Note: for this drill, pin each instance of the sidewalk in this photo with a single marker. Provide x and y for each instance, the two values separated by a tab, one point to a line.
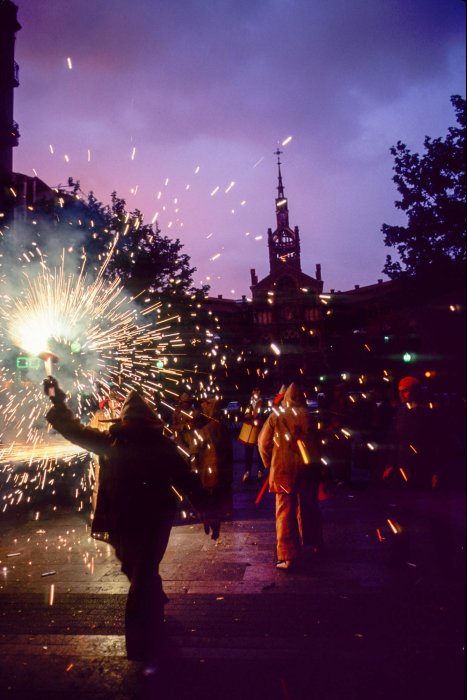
344	628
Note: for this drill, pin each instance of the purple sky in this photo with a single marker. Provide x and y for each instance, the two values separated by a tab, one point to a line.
218	86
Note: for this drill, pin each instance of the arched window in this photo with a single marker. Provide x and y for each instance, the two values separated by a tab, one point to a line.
312	314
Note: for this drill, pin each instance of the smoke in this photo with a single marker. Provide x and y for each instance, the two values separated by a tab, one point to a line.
52	300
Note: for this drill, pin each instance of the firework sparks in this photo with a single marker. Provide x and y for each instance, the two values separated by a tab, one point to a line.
101	337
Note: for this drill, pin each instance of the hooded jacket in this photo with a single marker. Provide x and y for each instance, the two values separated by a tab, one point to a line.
141	466
292	465
213	449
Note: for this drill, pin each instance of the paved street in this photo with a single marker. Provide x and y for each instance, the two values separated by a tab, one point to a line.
350	626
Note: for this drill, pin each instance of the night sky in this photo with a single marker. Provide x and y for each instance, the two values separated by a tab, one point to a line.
166	100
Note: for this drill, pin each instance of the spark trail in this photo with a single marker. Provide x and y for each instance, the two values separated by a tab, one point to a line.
101	338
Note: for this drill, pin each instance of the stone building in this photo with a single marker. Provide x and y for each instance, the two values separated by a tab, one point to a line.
17	191
9	80
281	338
286	306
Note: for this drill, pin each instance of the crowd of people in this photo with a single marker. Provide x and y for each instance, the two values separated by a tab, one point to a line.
145	466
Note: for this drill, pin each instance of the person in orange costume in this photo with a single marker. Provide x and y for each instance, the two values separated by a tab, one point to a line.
289	446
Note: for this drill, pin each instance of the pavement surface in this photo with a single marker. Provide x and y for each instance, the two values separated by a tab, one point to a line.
349	626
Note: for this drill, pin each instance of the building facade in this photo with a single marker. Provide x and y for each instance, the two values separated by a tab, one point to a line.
286	304
9	80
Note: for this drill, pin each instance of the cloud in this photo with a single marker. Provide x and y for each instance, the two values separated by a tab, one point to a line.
222	83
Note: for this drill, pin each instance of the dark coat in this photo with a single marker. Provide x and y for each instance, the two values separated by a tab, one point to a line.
417	440
142	468
211	450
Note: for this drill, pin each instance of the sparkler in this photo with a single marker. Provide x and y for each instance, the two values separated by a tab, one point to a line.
102	338
49	358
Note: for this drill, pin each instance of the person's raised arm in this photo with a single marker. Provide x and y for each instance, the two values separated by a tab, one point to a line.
64	422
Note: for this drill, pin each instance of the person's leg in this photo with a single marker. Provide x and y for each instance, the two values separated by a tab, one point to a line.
144	613
287	534
259	462
248	461
309	518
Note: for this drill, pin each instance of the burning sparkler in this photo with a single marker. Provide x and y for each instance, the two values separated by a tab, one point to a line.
96	336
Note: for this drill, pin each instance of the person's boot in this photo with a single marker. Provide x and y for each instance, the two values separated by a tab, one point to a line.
284	565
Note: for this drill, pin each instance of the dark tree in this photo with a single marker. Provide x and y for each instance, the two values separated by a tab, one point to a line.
432	189
143	259
117	243
151	267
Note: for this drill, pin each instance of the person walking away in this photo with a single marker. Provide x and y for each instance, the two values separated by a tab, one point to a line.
251	427
289	446
137	514
213	449
338	416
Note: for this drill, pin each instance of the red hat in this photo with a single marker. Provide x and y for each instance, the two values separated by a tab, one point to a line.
409	383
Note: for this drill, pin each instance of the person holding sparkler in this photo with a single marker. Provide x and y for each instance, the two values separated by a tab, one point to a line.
145	473
288	444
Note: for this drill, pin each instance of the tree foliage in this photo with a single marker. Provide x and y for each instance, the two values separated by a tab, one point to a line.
151	267
142	258
432	189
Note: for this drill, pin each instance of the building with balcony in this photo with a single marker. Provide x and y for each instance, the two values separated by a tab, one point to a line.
9	80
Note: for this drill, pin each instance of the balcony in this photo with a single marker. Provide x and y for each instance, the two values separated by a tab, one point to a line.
10	136
15	74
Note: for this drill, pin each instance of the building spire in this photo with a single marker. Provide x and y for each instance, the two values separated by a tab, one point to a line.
280	187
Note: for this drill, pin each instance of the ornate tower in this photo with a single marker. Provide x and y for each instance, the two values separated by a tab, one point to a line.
283	242
286	307
9	133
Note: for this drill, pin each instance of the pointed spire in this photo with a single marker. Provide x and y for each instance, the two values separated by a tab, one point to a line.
280	187
282	209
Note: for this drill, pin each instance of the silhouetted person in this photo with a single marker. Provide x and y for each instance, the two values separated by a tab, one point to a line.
417	438
415	471
338	417
137	514
211	445
249	434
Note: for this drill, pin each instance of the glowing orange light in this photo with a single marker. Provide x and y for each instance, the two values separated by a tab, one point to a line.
304	452
263	489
